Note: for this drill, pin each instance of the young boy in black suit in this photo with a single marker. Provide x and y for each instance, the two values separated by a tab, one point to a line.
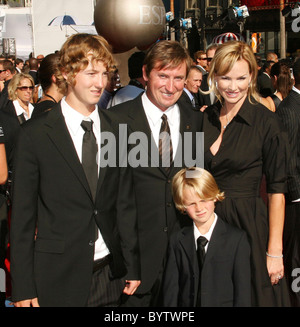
223	279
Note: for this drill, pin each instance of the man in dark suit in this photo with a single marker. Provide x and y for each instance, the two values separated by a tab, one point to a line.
165	69
191	89
289	112
208	264
7	71
70	241
209	98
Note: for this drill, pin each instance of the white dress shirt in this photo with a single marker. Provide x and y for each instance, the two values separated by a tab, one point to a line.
19	110
73	121
206	235
154	114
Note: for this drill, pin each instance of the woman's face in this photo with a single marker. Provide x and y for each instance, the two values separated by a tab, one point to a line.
25	90
234	85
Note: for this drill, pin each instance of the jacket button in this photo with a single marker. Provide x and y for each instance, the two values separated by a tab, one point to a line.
95	212
165	229
91	243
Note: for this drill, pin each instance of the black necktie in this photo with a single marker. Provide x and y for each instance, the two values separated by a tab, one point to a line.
21	119
165	144
89	156
201	242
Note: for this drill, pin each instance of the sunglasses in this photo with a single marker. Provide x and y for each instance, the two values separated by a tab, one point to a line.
209	59
25	88
2	70
203	58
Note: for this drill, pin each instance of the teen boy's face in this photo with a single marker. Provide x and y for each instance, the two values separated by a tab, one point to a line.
201	211
88	87
165	86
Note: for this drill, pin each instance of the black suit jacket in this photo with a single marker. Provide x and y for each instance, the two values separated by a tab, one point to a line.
225	280
157	216
51	194
289	112
204	99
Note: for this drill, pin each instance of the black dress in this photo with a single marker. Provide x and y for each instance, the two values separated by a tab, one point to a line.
253	144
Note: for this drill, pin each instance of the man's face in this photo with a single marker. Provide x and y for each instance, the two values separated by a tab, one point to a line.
165	86
210	54
193	81
88	87
3	73
202	61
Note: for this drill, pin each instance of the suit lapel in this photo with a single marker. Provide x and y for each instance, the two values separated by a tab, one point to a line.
216	239
188	245
139	123
105	127
59	135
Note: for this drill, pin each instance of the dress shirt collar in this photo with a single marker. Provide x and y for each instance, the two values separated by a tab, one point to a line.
296	90
206	235
245	114
73	118
154	114
189	94
19	110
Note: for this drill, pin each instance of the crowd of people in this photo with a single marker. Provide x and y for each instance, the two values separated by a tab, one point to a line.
147	231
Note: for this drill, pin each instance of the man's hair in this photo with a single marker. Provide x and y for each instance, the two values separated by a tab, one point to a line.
200	180
135	65
165	54
77	52
296	71
284	82
8	65
48	68
198	54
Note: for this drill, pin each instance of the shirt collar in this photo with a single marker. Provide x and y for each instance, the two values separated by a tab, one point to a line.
189	93
296	90
206	235
73	118
20	110
246	113
154	113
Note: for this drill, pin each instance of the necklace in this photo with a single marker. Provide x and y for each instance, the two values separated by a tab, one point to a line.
227	120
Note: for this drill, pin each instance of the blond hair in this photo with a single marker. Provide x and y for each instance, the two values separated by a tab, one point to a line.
224	59
77	52
200	180
15	83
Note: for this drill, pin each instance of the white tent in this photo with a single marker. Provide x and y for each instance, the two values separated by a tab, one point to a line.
47	38
16	28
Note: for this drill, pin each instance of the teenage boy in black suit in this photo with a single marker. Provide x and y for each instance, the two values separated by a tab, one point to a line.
83	251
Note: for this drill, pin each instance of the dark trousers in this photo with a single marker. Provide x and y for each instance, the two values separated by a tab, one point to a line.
3	239
151	299
291	249
105	291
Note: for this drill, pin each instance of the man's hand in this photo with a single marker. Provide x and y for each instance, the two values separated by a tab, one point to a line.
27	303
131	286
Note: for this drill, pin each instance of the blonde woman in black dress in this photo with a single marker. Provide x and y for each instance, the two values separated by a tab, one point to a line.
243	140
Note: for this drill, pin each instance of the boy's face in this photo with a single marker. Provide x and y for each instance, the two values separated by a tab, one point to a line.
88	87
201	211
